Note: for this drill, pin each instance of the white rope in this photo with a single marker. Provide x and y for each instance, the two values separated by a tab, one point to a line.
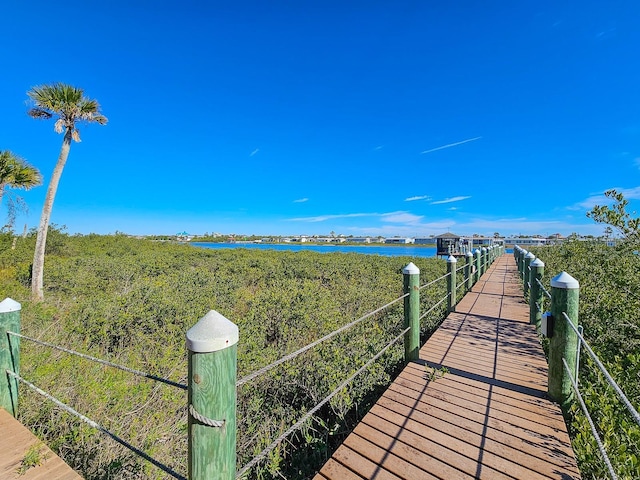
434	307
97	426
604	371
593	427
262	455
205	420
293	355
544	290
99	360
434	281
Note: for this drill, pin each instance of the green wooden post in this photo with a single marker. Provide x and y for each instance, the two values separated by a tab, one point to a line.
411	283
468	270
476	254
9	354
523	253
563	342
483	256
536	296
212	349
451	283
528	258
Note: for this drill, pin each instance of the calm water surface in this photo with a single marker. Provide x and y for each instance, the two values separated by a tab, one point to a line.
385	250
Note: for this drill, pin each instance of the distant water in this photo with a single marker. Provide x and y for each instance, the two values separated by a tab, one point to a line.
387	251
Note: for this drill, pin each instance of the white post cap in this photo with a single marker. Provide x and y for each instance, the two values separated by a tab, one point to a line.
529	255
564	280
537	263
469	254
9	305
213	332
451	259
410	269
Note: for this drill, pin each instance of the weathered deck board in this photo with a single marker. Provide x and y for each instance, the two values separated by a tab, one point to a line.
488	417
15	441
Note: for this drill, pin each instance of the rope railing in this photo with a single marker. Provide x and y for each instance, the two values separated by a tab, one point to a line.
603	451
97	426
262	455
544	290
434	281
204	338
300	351
434	307
604	371
101	361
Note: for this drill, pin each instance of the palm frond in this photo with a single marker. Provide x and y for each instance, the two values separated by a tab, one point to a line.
39	114
59	125
15	172
66	102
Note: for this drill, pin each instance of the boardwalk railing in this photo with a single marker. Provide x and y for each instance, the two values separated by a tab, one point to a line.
561	326
212	360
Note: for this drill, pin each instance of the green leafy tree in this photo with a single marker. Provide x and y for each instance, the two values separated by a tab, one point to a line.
616	216
69	105
15	172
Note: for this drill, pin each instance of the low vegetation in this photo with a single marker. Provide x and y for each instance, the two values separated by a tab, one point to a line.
131	301
610	314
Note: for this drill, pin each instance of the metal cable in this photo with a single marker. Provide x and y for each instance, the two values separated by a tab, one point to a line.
461	284
103	362
461	267
538	307
544	290
604	371
434	307
529	285
590	420
97	426
434	281
262	455
293	355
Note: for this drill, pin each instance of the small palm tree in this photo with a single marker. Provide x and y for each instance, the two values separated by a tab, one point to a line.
70	106
15	172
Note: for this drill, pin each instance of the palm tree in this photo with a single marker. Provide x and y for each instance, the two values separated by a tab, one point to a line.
70	106
15	172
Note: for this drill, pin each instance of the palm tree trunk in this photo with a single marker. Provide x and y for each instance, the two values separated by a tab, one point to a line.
37	271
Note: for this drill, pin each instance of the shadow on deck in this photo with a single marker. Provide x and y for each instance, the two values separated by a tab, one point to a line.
487	418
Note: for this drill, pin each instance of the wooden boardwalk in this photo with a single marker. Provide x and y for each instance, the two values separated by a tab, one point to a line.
487	418
15	442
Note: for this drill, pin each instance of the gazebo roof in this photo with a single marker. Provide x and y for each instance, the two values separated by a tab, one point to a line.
448	235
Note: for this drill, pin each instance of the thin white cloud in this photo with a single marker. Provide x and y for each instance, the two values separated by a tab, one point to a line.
324	218
254	152
417	197
450	200
449	145
301	200
600	199
401	217
637	162
379	147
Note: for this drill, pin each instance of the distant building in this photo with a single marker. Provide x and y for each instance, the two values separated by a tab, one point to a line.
399	240
526	241
448	244
424	241
359	239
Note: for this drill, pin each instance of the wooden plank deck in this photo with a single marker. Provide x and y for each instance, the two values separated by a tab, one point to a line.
487	418
15	441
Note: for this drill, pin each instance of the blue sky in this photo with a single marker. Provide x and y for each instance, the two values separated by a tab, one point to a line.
305	117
